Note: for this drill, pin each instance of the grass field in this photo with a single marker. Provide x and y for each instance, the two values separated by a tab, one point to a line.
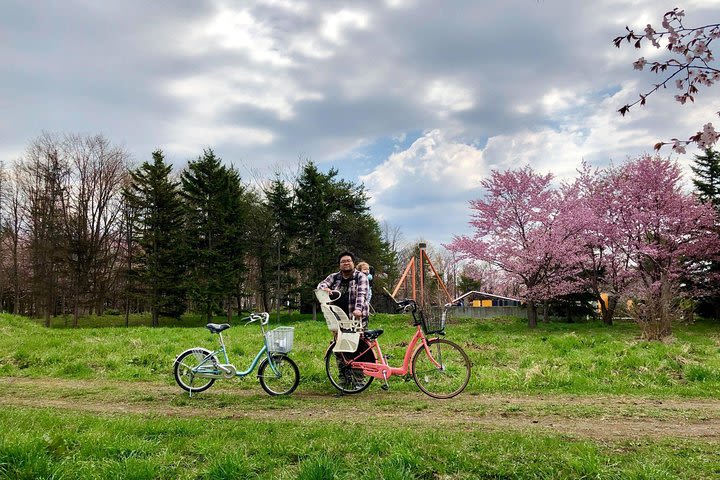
563	401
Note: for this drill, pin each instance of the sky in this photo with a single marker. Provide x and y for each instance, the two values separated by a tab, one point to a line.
417	100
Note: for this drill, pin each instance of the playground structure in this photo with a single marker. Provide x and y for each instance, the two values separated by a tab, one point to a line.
417	272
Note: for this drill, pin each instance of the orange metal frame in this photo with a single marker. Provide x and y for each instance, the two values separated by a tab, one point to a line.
411	268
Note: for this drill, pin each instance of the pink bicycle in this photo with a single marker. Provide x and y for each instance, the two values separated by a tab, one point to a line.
439	367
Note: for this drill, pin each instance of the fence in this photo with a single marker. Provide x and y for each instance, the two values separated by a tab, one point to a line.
490	312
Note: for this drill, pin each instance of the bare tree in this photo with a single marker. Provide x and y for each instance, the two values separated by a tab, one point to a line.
43	172
3	255
92	220
70	189
13	224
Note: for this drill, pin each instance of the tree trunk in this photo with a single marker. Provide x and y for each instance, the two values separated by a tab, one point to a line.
76	311
155	317
532	314
546	319
607	311
655	316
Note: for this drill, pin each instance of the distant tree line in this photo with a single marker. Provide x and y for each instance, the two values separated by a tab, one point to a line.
82	232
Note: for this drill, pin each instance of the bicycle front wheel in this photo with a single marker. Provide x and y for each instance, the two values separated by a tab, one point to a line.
285	381
450	377
184	370
346	379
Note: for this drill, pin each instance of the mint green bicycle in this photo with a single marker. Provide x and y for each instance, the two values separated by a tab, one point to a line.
196	369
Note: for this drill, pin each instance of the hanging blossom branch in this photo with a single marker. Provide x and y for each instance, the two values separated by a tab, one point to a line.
690	67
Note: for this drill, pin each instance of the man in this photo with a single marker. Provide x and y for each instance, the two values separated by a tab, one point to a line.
353	287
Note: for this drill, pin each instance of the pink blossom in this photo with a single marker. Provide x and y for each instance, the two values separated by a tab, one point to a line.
640	63
708	137
649	32
700	48
678	147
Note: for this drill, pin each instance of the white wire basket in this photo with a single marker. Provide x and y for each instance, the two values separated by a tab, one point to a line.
280	340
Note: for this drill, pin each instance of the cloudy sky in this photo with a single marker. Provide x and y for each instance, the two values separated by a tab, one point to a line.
416	99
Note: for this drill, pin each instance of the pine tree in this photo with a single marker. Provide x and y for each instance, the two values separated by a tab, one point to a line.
707	183
159	227
279	202
215	213
707	177
331	215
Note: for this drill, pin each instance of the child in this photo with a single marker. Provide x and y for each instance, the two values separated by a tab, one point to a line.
364	267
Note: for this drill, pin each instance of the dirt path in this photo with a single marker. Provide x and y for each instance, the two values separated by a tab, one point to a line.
595	417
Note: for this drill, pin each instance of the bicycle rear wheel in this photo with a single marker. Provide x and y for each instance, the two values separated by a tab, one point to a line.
285	381
346	379
184	371
450	378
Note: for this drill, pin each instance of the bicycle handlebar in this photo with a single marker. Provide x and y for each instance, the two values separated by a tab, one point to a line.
264	318
410	305
407	305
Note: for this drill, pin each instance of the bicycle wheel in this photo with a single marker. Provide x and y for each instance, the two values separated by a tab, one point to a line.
344	378
183	369
450	378
282	383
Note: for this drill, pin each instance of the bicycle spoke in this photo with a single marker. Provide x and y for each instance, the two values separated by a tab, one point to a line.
451	374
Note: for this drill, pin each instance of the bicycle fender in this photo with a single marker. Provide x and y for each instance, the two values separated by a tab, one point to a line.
202	350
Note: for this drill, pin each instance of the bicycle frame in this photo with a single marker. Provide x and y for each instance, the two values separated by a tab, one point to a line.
381	369
213	370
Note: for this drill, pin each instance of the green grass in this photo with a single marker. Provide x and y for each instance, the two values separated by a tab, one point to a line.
208	437
40	443
581	358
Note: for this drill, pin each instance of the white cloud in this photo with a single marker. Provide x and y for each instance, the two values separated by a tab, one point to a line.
295	7
236	30
187	138
449	96
335	25
217	91
557	100
434	159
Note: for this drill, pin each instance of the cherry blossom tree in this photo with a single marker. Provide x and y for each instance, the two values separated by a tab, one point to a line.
662	231
631	231
689	64
521	228
482	276
605	264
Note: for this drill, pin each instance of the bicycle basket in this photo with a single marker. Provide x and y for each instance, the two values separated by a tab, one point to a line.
432	320
280	340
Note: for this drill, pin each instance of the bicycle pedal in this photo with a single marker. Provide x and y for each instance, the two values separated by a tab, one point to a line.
385	387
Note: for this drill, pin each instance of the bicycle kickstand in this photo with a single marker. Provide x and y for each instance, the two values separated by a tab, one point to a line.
385	385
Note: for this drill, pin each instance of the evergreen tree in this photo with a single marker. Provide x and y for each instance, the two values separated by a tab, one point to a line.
158	224
707	177
707	183
331	215
279	202
215	214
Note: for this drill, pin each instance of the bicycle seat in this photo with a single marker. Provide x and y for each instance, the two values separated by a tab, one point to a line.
373	334
217	327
